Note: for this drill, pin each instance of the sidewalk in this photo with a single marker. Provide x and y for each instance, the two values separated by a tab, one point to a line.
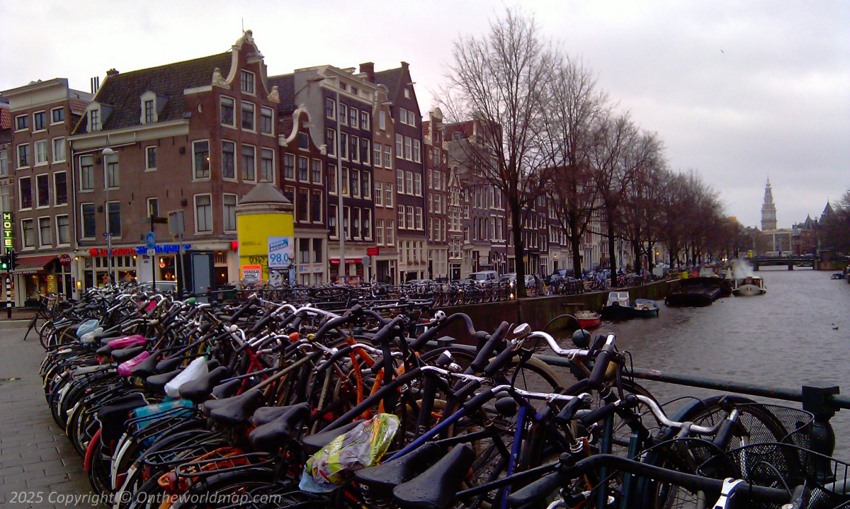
39	468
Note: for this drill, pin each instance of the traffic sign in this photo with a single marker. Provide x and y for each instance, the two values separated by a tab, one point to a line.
150	240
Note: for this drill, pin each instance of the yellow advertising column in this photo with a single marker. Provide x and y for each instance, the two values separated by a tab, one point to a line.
266	234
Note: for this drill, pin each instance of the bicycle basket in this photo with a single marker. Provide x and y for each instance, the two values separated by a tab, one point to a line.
785	465
762	422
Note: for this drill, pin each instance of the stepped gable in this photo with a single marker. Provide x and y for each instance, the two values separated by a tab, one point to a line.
123	91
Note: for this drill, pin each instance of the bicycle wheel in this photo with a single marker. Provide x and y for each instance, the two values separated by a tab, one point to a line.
755	424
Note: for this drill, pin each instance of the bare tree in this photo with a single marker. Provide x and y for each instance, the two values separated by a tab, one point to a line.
574	107
498	82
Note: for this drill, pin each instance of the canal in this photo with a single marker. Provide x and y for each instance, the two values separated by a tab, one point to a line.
797	333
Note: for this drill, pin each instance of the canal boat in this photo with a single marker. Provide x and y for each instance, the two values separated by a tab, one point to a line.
748	286
698	291
588	319
618	307
645	308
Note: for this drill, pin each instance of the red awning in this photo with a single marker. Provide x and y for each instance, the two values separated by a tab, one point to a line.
32	264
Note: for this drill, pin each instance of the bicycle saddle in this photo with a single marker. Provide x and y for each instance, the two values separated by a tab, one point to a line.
198	390
225	390
235	410
269	436
126	354
383	478
436	487
145	368
316	441
157	382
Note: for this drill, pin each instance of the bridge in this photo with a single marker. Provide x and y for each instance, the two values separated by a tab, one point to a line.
790	261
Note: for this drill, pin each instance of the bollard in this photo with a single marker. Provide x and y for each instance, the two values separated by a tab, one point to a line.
817	400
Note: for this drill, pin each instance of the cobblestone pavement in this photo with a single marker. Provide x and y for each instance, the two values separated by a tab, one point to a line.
39	468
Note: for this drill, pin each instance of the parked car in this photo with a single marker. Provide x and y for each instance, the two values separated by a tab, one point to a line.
530	279
484	277
559	275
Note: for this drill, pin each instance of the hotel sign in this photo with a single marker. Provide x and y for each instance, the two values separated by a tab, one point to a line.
8	231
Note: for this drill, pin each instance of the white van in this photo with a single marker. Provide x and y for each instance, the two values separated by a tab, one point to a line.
484	277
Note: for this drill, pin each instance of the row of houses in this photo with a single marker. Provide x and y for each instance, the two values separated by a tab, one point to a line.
347	146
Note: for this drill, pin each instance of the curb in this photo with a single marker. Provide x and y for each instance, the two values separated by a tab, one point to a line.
14	324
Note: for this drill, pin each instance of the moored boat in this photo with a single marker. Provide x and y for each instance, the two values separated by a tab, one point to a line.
618	307
645	308
698	291
748	286
588	319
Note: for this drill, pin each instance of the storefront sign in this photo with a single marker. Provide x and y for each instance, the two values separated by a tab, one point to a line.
139	250
252	273
8	231
280	252
65	259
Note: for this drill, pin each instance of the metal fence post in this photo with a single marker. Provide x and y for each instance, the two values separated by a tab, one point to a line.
816	399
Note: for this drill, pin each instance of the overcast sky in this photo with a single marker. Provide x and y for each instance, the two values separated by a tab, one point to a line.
740	91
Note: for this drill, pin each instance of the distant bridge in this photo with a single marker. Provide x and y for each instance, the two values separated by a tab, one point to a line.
789	261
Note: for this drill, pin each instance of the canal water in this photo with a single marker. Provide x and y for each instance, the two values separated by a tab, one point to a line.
797	333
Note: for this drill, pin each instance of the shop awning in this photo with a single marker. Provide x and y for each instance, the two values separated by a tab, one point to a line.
33	264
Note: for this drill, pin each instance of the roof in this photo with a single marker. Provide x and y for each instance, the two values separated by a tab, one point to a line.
5	116
264	193
391	78
123	91
286	89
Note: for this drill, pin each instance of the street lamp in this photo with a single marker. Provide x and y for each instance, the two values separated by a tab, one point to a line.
107	152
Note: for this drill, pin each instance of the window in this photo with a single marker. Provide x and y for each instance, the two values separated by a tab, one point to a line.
25	190
406	93
330	142
114	219
355	183
332	187
247	82
401	223
343	114
402	116
417	184
388	195
399	145
343	146
379	232
203	213
40	152
57	115
60	188
228	160
364	150
418	218
289	193
364	120
229	211
352	149
228	107
388	157
247	116
345	181
302	205
407	148
379	194
201	159
94	120
316	206
303	250
63	233
39	121
303	175
45	232
58	150
4	166
317	250
266	120
23	156
288	166
111	172
382	120
376	154
409	187
390	236
355	222
88	220
21	122
28	233
152	207
332	220
42	184
352	116
330	108
399	180
316	171
249	163
150	111
367	224
86	173
150	158
410	218
417	151
366	185
267	165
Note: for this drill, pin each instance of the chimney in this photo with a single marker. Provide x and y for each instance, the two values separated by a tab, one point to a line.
112	72
95	84
368	68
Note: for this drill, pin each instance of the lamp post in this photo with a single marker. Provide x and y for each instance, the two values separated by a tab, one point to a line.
106	153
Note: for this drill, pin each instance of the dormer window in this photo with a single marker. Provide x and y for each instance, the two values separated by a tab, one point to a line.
247	82
151	105
94	120
97	115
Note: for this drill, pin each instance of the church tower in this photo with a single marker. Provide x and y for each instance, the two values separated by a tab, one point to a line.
768	210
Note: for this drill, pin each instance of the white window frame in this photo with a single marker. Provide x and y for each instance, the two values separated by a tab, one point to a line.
56	193
388	196
44	122
224	207
149	97
148	150
232	102
67	226
263	152
42	243
236	156
52	114
62	152
148	208
379	194
253	151
28	154
111	168
248	78
83	221
18	119
266	112
243	106
24	244
195	168
20	194
41	153
382	120
198	231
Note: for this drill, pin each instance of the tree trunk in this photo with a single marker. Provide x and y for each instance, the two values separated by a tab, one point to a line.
575	244
519	249
612	251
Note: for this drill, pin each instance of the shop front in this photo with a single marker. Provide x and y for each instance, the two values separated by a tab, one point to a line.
34	276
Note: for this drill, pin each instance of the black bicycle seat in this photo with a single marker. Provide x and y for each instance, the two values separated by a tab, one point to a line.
235	410
316	441
126	354
436	487
198	390
269	436
383	478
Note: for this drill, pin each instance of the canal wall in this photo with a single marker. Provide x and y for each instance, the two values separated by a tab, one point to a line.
539	311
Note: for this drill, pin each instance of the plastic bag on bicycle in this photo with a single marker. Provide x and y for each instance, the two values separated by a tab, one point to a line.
361	447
